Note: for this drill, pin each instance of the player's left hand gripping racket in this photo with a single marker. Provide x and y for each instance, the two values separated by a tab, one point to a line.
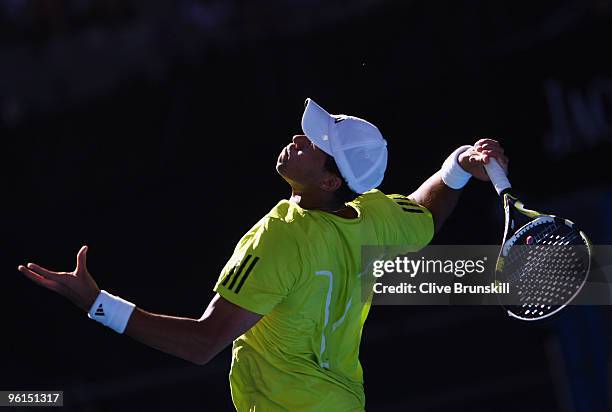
545	262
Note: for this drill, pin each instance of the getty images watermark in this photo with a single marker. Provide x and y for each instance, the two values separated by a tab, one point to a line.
456	275
421	266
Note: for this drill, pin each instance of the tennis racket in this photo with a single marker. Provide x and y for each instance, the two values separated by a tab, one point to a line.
545	260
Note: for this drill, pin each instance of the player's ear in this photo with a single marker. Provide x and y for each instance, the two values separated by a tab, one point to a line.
330	182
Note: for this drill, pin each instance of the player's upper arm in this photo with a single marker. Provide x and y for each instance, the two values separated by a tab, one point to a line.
263	269
221	323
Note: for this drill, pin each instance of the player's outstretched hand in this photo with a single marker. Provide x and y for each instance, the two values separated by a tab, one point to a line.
473	160
78	285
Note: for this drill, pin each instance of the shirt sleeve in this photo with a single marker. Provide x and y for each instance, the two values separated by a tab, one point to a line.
415	222
262	270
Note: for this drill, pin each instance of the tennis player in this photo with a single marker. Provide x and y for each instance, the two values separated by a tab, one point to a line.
289	298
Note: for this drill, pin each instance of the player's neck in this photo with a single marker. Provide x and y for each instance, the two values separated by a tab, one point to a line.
321	201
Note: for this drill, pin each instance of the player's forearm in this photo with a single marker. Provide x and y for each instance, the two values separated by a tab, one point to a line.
181	337
438	198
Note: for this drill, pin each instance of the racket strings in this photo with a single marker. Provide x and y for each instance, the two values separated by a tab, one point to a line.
548	272
523	254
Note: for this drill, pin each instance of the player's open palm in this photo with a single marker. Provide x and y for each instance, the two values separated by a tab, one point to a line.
78	286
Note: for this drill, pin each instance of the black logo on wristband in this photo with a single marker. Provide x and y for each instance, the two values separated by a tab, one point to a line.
100	310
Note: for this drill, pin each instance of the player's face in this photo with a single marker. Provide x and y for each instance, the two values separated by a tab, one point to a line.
301	163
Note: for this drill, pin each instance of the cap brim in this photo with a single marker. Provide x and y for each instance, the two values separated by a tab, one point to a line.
315	124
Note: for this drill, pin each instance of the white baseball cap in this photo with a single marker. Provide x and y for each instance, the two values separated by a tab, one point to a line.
357	146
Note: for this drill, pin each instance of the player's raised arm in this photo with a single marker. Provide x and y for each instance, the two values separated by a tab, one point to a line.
439	193
195	340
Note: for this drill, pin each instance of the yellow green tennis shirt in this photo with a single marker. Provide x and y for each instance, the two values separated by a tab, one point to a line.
301	269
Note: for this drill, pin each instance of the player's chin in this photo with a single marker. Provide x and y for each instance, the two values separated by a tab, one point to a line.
283	169
288	174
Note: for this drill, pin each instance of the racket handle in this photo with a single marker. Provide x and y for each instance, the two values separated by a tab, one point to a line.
497	175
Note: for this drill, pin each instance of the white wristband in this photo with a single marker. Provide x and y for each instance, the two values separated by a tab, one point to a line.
452	173
111	311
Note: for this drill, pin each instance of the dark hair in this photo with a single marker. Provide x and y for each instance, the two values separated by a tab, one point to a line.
343	193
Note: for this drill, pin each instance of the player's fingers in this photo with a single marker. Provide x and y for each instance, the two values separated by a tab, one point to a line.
482	142
493	153
38	279
42	271
46	273
483	158
500	157
492	146
477	170
489	146
476	158
82	259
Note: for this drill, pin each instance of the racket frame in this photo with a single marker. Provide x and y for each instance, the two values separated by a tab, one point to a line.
512	205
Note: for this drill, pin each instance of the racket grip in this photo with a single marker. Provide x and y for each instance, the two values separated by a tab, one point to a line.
497	175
